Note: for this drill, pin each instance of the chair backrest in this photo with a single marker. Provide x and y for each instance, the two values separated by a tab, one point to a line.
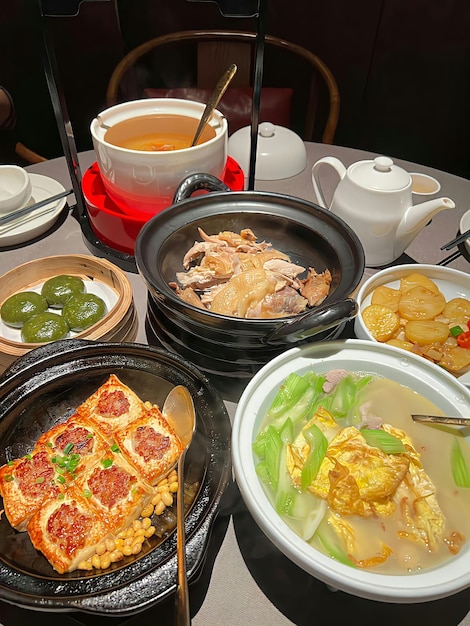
299	90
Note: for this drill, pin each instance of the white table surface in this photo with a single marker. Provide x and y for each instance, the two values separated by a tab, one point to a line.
245	580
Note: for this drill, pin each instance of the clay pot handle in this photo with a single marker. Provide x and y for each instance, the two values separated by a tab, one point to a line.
196	182
313	322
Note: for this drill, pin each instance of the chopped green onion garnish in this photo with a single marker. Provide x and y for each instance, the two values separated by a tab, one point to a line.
28	457
383	440
460	468
10	463
39	480
272	451
68	448
115	448
106	463
49	444
332	547
9	478
61	479
318	447
456	330
61	496
87	493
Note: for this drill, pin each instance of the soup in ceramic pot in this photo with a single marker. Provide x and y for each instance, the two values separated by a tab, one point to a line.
349	471
157	133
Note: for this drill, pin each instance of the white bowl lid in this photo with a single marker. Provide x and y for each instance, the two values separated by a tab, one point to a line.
280	153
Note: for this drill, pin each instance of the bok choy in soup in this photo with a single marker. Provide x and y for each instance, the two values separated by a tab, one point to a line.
350	472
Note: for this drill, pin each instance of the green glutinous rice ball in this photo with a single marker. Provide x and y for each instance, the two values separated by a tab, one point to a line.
83	310
20	307
44	327
58	289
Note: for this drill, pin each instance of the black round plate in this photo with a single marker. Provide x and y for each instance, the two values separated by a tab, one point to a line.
43	388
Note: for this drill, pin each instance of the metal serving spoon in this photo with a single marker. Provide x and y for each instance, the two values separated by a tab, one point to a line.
214	100
178	410
442	419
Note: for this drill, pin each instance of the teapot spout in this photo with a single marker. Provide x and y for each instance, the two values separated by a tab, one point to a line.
416	217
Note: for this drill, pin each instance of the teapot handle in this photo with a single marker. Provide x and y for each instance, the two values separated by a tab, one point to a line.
335	164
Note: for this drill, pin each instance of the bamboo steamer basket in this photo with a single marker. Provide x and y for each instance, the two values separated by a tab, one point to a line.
120	323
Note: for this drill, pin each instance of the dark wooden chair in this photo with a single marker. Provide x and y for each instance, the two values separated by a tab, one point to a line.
299	90
28	155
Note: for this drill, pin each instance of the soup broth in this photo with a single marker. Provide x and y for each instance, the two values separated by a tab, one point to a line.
393	404
157	133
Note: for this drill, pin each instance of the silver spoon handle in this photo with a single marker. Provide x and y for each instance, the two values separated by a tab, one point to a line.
438	419
214	100
182	596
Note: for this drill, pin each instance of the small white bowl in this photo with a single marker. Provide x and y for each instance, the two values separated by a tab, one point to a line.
15	188
424	185
465	225
451	282
412	371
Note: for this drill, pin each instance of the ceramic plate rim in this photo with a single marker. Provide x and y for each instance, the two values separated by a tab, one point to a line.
420	587
452	282
38	225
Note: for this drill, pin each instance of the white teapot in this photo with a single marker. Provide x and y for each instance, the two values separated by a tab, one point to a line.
374	199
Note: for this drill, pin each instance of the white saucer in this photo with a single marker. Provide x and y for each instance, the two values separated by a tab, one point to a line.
39	221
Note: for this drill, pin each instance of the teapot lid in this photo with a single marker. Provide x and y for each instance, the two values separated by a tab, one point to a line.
380	174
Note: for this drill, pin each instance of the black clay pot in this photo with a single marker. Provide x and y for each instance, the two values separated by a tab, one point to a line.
310	235
43	388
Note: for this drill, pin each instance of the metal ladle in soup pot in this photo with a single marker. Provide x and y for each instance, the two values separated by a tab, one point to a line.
214	100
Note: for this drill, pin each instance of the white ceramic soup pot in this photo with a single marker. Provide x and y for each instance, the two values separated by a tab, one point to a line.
146	179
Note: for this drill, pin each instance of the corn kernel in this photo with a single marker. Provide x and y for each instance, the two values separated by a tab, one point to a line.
105	561
138	539
150	532
95	561
160	507
140	531
116	555
147	511
156	499
163	488
118	544
100	548
127	550
136	524
85	565
136	548
174	486
162	482
167	498
147	522
110	545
